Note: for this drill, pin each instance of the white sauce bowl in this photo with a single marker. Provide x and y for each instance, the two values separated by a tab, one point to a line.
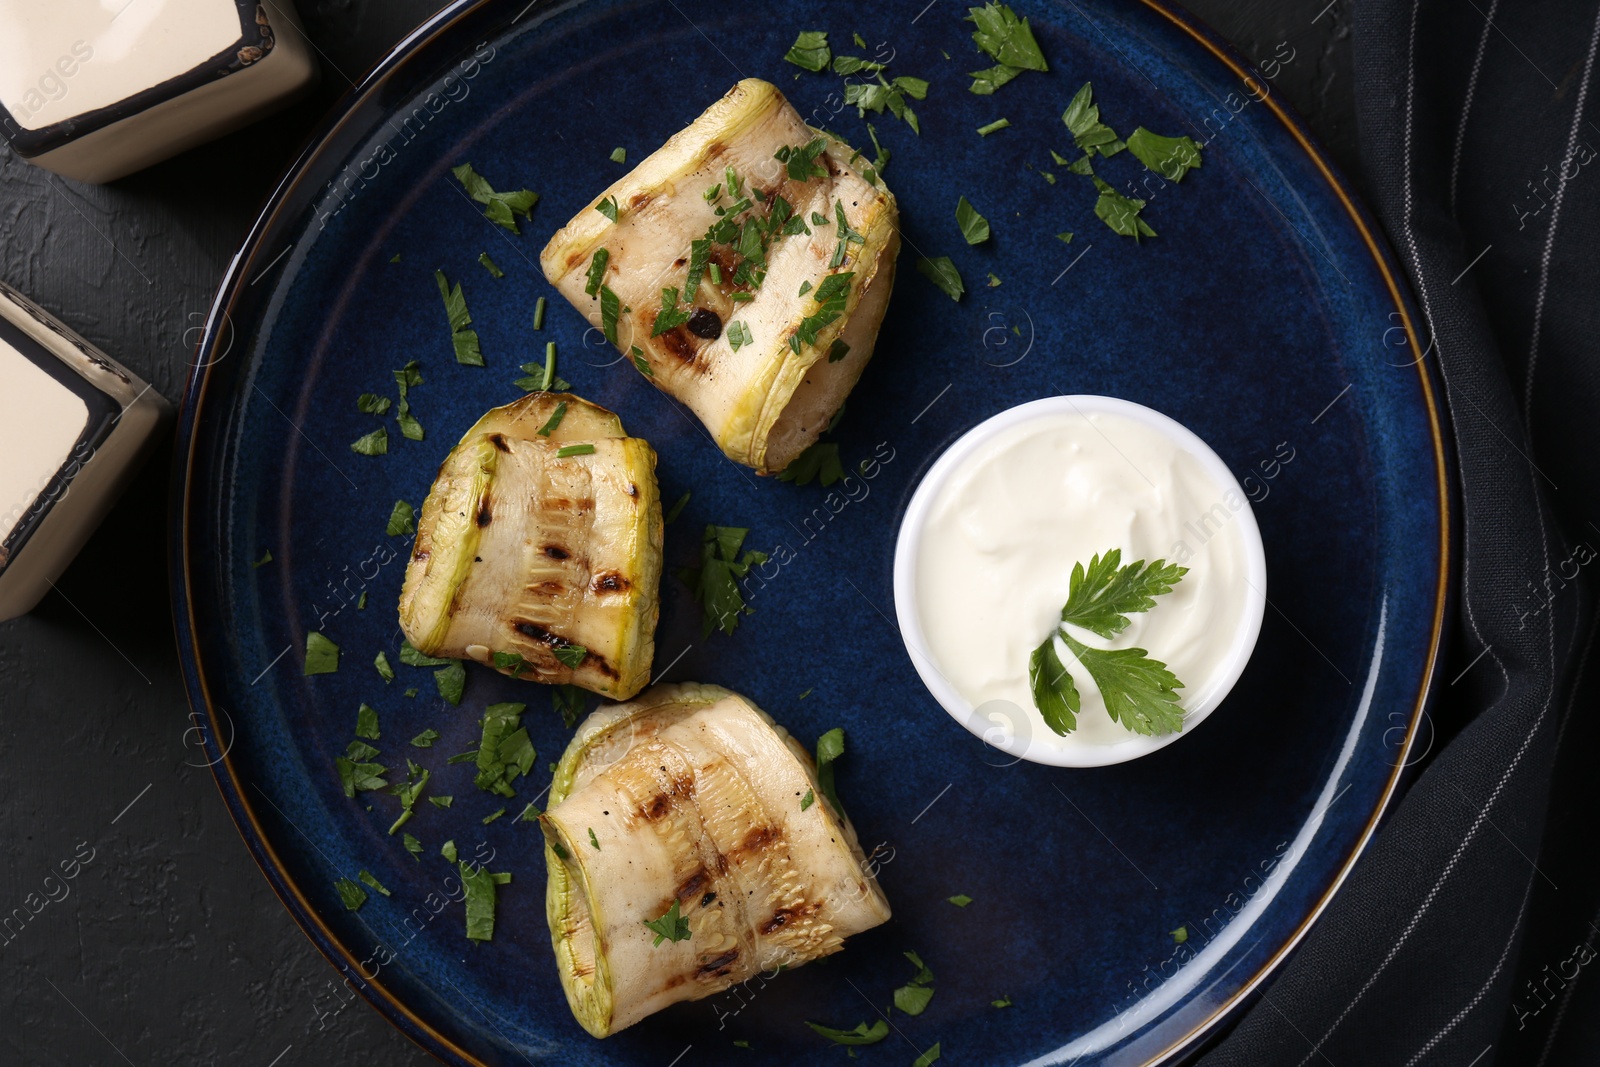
1021	730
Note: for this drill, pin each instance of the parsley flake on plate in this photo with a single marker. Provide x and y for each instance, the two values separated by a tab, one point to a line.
913	997
1003	1002
820	461
504	751
993	127
942	273
425	739
381	662
570	701
402	519
322	655
830	746
928	1058
1082	118
619	155
974	227
480	894
861	1035
412	845
1170	157
960	900
490	265
503	208
372	404
369	878
608	207
412	658
715	582
367	722
1121	213
538	313
464	340
1008	40
451	681
810	51
441	801
351	894
493	815
375	443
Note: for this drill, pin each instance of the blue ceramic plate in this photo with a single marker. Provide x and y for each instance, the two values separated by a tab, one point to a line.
1264	316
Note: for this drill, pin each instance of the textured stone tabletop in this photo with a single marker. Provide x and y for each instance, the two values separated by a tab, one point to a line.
167	946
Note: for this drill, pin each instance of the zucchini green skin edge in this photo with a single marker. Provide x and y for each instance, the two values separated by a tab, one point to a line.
836	869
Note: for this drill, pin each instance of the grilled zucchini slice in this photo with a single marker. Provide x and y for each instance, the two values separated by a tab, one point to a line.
552	561
694	797
761	251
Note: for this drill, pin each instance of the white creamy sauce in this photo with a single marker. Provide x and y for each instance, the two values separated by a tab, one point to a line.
40	422
61	58
1007	525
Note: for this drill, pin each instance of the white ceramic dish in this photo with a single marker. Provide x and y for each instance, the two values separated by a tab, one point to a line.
1021	731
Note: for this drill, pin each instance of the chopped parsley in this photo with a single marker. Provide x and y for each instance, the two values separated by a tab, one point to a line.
412	658
1181	934
670	927
1065	236
504	751
568	451
595	841
619	155
412	845
1139	692
529	813
372	404
809	799
739	335
465	340
368	877
441	802
831	298
820	461
381	662
830	746
597	271
569	701
1003	1002
405	379
451	681
882	94
1170	157
1008	40
610	309
266	558
801	163
837	351
641	364
974	227
677	508
448	850
493	815
503	208
351	894
322	655
810	51
699	252
555	420
671	315
375	443
1121	213
357	774
425	739
942	272
994	279
480	893
960	900
572	656
608	207
861	1035
538	313
367	722
416	777
402	520
490	265
928	1058
993	127
1082	118
715	582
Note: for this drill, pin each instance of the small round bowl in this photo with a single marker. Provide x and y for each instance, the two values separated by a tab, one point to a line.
1000	723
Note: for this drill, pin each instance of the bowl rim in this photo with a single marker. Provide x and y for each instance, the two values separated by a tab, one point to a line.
995	726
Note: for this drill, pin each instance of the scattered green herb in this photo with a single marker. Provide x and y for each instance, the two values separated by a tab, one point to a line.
367	722
974	227
1181	934
529	813
810	51
375	443
538	313
555	420
480	893
820	461
504	751
608	208
322	655
619	155
464	340
448	850
570	701
597	271
350	893
571	656
715	582
412	658
568	451
490	265
595	841
739	335
1003	1002
402	519
425	739
441	802
928	1058
993	127
809	799
670	927
861	1035
265	559
451	681
368	877
830	746
960	900
381	662
1065	236
837	351
1007	39
493	815
412	846
372	404
405	379
942	272
1082	118
1121	213
1170	157
503	208
913	997
610	310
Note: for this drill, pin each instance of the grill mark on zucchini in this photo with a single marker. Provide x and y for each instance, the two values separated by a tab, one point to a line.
553	641
719	965
609	583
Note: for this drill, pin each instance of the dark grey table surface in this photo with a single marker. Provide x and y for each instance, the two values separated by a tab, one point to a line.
171	948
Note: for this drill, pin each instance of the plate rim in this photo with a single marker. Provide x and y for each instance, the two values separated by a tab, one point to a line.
218	327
